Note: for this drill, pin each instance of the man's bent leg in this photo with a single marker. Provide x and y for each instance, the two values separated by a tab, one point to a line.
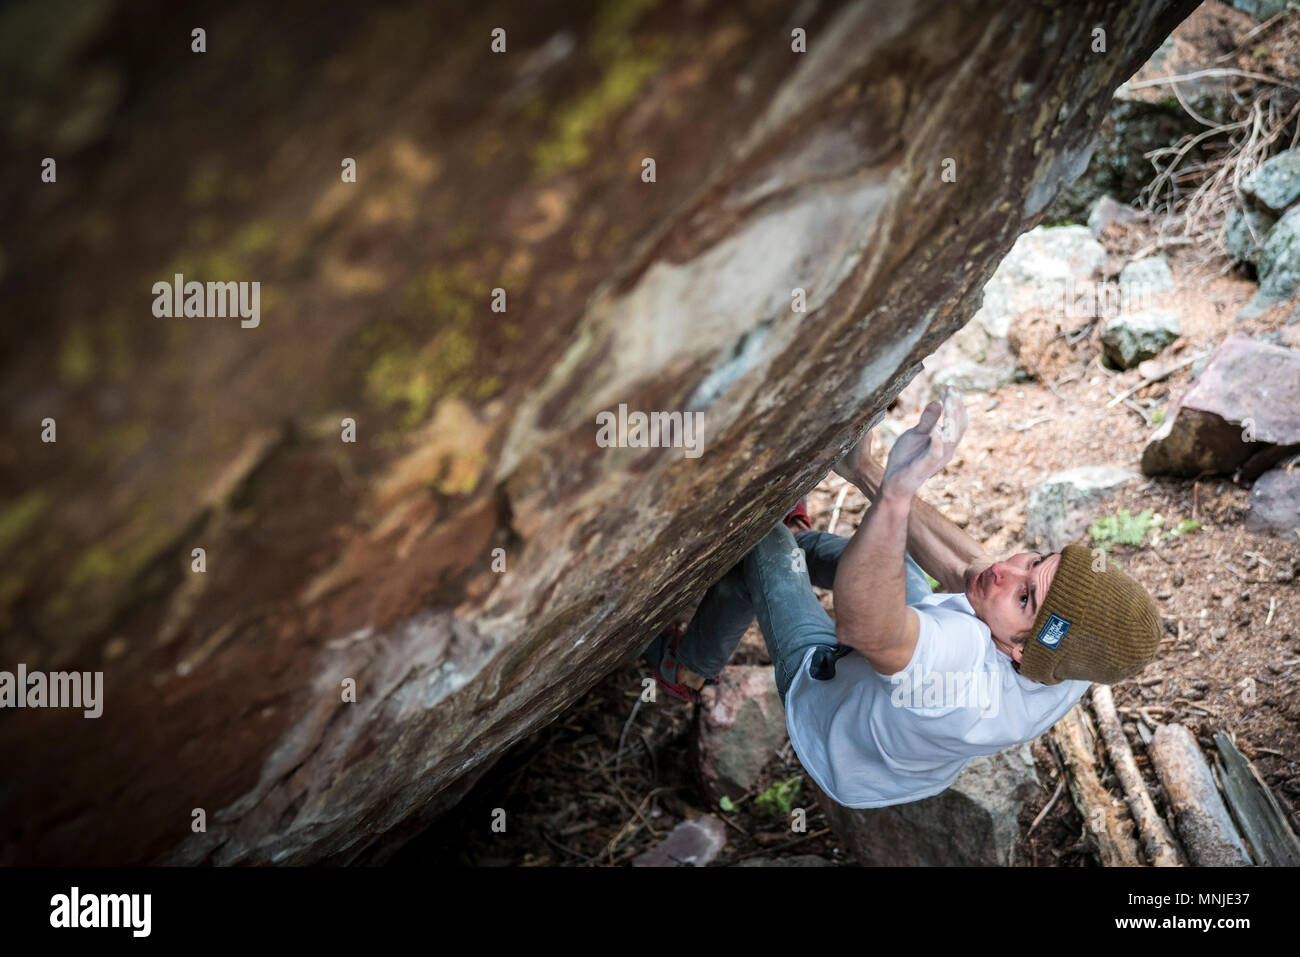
823	552
789	614
719	624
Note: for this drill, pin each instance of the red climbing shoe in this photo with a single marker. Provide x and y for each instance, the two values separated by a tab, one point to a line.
662	657
797	518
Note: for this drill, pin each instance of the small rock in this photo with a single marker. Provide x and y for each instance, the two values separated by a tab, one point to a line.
1062	505
1131	337
691	843
1106	211
1145	276
1275	505
1275	184
1261	10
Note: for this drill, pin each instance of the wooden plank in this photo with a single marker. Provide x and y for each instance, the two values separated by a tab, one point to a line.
1256	811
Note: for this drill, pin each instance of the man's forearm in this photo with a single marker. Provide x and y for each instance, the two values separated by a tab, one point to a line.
939	546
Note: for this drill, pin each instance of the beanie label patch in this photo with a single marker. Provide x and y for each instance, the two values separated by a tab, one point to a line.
1053	631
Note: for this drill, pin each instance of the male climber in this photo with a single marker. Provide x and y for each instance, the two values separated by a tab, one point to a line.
888	703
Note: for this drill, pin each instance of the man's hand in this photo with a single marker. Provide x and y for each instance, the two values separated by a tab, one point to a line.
923	450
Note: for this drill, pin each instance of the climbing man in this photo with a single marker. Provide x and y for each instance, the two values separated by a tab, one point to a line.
888	703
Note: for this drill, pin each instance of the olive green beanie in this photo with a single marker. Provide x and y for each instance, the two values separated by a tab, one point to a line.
1096	624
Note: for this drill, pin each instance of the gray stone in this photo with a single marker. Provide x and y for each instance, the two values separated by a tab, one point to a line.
1145	276
972	823
1275	505
1275	184
740	729
1106	210
692	843
1245	232
1241	412
1279	258
1130	338
1062	506
1261	9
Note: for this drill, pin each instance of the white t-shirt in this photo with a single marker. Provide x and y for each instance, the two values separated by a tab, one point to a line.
869	739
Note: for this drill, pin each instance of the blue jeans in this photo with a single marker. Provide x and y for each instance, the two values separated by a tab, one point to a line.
775	582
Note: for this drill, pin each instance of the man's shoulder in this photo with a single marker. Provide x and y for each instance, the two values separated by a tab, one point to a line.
951	611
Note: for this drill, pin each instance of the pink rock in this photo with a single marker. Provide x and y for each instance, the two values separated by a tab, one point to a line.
690	844
1243	412
739	731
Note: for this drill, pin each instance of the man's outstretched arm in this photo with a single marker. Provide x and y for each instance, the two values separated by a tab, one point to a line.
870	592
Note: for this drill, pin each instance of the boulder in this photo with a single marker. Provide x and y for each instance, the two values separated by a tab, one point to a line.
1275	505
972	823
1279	265
381	618
693	843
1062	506
1241	412
1244	235
1274	185
1132	337
741	727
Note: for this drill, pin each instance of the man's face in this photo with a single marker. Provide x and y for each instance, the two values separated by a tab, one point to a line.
1007	595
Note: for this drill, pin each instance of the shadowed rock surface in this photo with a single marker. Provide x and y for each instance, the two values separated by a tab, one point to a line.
971	824
373	560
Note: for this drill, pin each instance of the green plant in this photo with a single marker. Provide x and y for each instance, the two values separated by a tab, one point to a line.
780	797
1183	527
726	803
1158	417
1123	528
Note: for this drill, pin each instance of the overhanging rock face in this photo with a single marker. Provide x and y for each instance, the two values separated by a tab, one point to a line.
822	172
